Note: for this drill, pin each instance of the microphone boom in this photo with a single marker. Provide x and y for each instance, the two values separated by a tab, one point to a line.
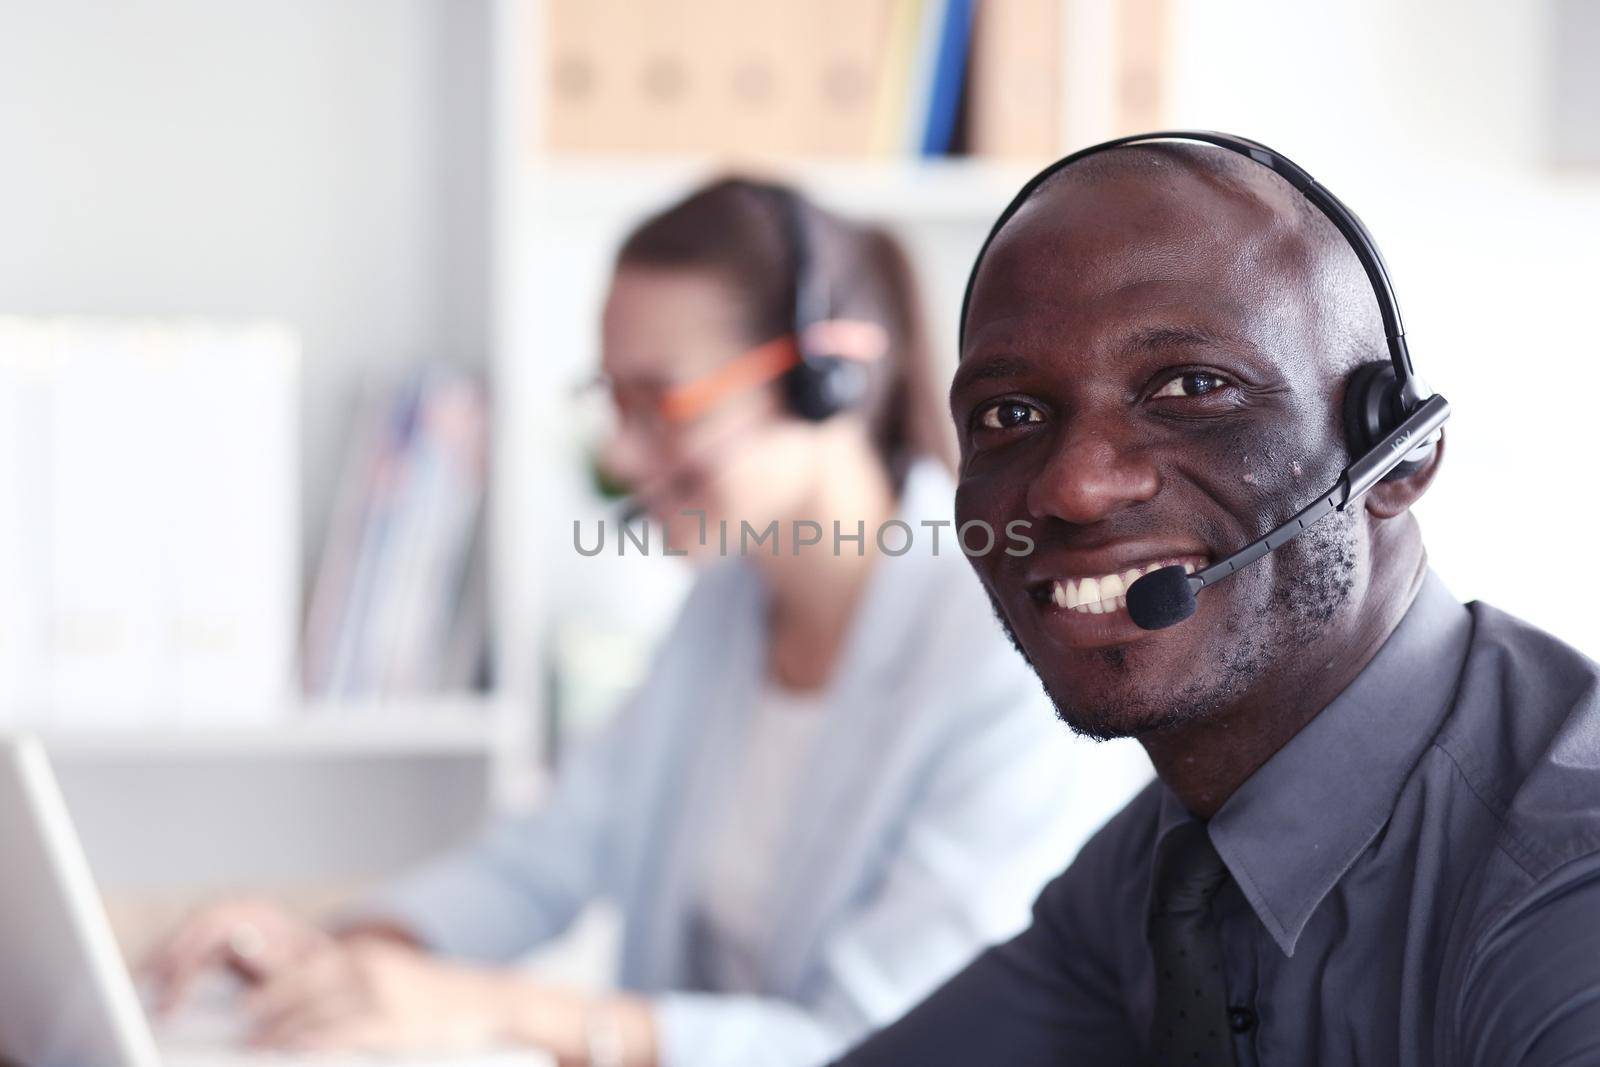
1165	597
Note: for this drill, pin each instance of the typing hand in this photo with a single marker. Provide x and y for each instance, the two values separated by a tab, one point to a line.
254	938
377	996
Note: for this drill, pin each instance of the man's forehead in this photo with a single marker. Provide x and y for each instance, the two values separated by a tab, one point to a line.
1082	259
1110	247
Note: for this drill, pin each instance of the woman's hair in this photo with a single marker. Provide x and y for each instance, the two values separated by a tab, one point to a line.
734	229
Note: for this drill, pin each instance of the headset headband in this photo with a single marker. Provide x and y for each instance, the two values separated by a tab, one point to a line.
809	300
1345	220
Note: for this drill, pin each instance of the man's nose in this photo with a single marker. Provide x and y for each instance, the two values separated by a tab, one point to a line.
1093	473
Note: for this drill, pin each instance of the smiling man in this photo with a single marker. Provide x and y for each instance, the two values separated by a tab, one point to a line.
1375	835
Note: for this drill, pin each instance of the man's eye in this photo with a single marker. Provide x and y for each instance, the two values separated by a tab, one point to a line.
1008	414
1194	383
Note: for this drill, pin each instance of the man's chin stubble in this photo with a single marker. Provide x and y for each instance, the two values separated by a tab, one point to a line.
1141	714
1301	610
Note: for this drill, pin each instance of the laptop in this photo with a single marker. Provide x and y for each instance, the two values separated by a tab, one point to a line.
66	998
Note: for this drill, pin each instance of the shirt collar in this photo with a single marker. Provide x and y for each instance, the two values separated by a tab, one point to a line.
1295	826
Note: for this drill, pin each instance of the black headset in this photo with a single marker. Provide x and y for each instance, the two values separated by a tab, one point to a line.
1378	396
1391	420
822	383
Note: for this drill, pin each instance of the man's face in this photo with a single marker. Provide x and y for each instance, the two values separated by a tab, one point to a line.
1145	378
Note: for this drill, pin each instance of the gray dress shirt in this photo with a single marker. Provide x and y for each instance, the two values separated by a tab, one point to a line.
1415	880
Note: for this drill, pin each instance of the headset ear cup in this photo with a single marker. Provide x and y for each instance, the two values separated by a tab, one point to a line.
819	387
1372	408
1367	399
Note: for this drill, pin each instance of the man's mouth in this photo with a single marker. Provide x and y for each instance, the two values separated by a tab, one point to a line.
1102	594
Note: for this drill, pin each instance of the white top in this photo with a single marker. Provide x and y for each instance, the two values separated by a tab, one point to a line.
735	918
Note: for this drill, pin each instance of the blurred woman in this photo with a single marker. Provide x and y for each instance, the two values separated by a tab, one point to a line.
838	781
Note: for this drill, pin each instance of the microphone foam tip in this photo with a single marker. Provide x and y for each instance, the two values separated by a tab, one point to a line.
1161	598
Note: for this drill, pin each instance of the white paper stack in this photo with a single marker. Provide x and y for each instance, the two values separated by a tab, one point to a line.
148	518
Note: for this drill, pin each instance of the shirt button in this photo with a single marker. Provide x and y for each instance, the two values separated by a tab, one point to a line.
1241	1020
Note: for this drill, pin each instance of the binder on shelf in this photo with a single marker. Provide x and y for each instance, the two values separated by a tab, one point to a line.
748	65
921	71
760	79
435	516
841	49
395	577
950	70
233	457
1015	97
148	483
1115	69
369	558
599	96
108	416
739	78
333	590
892	99
1144	45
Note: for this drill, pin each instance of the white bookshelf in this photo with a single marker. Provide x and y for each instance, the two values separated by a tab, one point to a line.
466	725
325	794
486	728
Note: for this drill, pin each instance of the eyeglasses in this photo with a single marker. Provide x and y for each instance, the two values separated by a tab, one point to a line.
663	409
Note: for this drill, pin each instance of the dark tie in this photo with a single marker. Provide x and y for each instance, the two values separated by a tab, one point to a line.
1191	1022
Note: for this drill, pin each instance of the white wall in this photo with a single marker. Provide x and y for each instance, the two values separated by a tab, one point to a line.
320	161
323	162
1430	119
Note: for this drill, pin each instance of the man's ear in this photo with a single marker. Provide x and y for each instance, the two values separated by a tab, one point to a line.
1388	499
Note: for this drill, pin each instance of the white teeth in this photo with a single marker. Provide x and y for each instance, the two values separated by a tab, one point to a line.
1104	595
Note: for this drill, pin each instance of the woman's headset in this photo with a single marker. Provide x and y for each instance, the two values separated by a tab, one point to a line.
1378	396
822	364
830	374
